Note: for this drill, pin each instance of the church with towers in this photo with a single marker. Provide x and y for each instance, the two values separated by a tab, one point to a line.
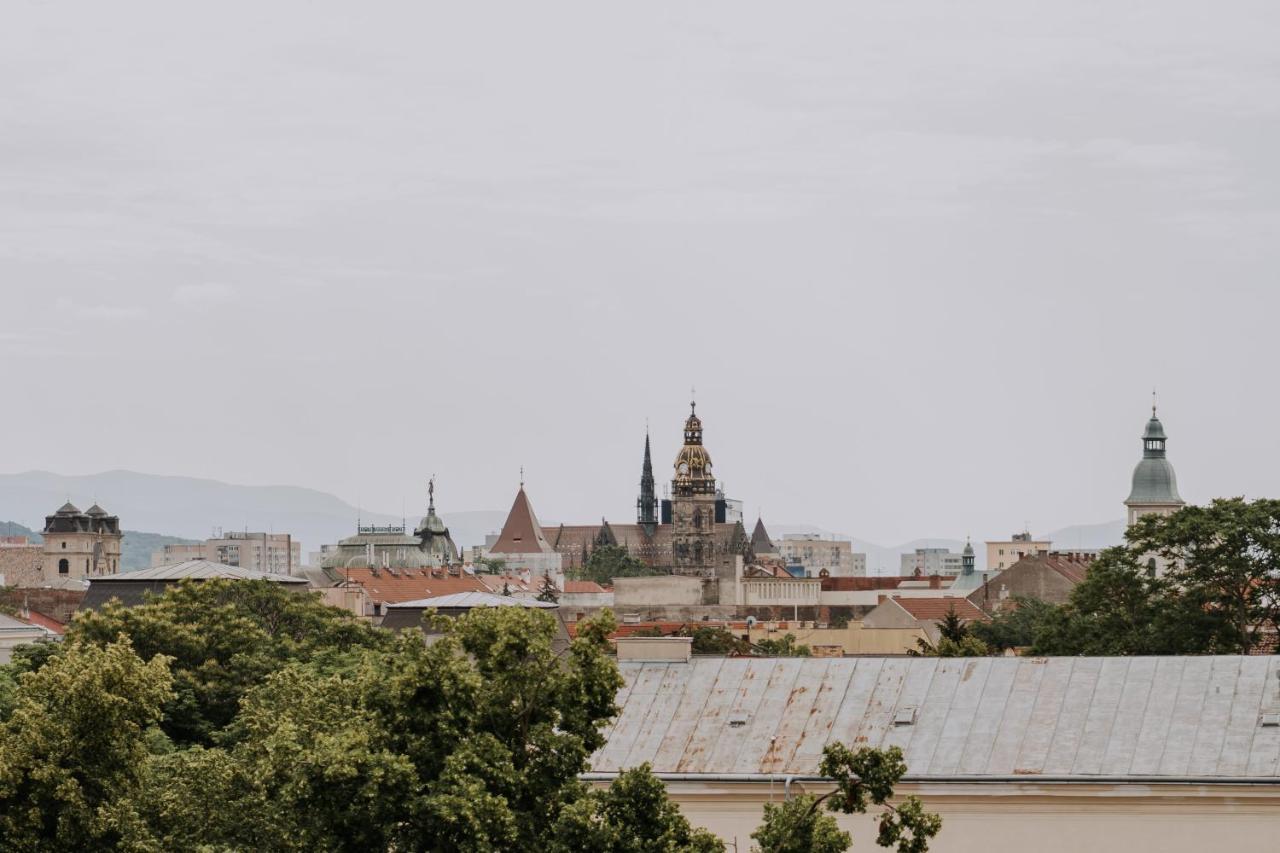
691	533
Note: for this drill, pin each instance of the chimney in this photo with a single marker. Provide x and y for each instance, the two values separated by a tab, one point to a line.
935	582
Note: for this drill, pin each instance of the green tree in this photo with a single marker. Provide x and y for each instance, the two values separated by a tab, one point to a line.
1014	625
608	562
715	640
73	752
493	565
862	778
1121	608
1224	557
786	647
634	815
548	591
954	640
224	637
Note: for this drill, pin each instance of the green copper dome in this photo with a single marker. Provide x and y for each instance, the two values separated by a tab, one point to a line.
1153	480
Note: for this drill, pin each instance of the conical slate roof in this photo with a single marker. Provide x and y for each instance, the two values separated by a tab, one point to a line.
760	541
96	511
522	534
68	508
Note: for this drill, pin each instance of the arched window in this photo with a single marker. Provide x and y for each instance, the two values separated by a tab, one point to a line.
64	566
697	519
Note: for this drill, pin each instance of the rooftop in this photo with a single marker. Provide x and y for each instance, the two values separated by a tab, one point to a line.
934	609
198	570
472	599
1085	718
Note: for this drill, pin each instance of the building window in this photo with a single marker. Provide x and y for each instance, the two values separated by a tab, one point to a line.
64	545
64	565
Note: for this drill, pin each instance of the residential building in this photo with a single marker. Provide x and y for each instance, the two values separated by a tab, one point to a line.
1056	755
385	585
391	546
276	553
23	630
923	613
932	561
1049	577
1001	554
814	554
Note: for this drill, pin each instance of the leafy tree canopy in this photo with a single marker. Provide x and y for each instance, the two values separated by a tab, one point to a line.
608	562
785	647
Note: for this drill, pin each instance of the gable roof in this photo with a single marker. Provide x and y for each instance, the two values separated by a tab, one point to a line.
521	534
410	584
936	609
997	718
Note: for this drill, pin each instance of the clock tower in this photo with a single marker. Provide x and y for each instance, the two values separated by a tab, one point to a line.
693	504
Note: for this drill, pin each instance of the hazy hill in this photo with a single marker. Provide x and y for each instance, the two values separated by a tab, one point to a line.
191	508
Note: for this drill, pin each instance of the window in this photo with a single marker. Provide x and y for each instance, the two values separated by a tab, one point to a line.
64	566
64	544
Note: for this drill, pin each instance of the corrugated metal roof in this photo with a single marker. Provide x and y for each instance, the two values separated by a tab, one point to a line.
197	569
1176	717
472	599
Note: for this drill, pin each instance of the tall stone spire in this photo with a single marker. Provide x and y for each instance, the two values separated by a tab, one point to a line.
647	503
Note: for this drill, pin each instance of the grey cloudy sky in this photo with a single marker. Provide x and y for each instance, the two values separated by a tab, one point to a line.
923	261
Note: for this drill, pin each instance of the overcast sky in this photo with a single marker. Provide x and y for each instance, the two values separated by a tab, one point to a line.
923	262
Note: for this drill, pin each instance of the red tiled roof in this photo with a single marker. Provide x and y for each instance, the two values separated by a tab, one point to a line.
495	583
48	622
934	609
410	584
583	586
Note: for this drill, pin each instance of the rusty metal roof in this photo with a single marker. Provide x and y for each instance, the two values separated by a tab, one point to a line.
1175	717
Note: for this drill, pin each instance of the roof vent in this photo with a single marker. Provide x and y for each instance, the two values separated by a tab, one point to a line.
905	717
630	618
739	719
1269	720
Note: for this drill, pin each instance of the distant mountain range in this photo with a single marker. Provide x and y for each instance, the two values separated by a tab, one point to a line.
187	508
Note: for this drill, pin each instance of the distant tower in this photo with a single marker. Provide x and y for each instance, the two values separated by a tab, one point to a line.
693	504
81	544
967	559
1155	488
647	503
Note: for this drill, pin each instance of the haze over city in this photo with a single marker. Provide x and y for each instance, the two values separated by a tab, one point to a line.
924	264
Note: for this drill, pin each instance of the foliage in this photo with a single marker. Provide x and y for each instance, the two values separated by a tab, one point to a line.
862	778
838	620
73	752
493	565
1226	557
548	591
608	562
225	637
715	640
1014	625
1121	608
786	647
633	815
799	826
955	640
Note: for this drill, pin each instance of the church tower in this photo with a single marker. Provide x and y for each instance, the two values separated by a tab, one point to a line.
1155	488
693	504
647	503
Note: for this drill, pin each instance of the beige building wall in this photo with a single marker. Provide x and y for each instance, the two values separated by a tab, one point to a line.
1028	817
276	553
1004	553
816	553
78	550
855	639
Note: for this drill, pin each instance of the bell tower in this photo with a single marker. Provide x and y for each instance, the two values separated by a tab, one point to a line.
693	504
647	503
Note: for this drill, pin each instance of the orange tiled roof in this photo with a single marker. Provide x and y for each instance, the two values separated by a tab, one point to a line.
387	587
48	622
583	586
934	609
